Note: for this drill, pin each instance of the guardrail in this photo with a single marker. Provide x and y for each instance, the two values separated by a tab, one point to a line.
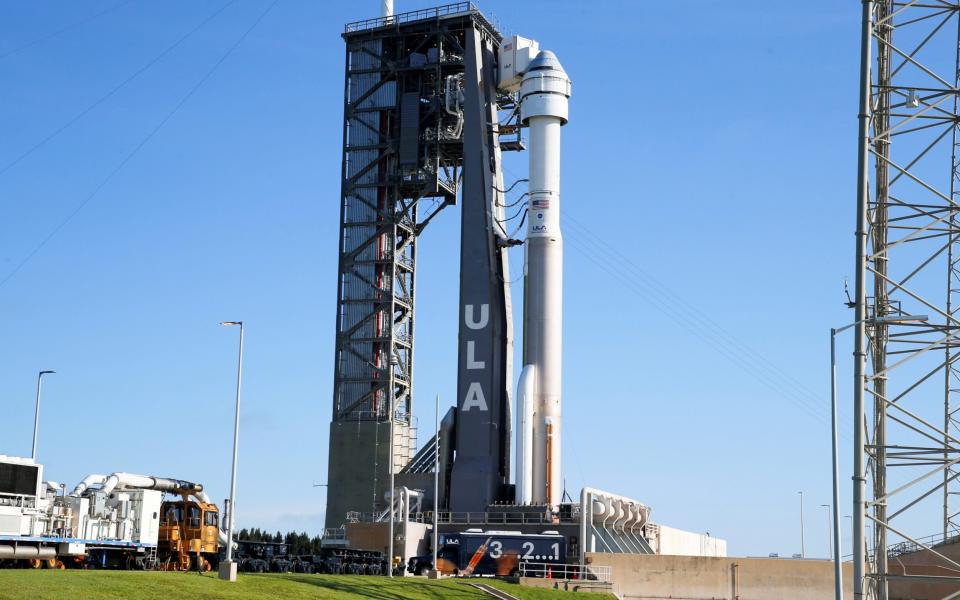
414	15
504	518
471	518
930	541
592	573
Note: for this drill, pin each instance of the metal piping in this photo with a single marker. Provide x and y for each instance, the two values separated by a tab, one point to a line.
20	552
859	352
610	511
455	94
147	482
525	398
89	480
623	513
124	481
587	497
405	495
550	457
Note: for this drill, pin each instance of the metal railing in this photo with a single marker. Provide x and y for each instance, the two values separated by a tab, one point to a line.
592	573
414	15
496	518
930	541
472	518
463	518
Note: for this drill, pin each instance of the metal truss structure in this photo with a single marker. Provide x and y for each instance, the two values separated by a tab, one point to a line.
907	376
403	162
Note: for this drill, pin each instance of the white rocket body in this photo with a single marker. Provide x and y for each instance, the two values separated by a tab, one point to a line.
544	96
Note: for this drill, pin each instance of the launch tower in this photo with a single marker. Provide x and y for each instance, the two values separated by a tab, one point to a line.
420	134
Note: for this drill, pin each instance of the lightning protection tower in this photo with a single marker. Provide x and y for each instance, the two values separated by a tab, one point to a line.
907	376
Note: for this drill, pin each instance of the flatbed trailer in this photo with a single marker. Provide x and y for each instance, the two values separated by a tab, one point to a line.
61	552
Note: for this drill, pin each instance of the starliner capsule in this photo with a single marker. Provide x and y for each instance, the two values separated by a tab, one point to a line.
544	96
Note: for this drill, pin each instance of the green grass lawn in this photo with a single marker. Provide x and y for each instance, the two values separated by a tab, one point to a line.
17	584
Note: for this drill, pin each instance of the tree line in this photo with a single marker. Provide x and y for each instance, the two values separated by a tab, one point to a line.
298	543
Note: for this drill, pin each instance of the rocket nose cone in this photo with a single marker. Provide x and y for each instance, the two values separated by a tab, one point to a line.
545	60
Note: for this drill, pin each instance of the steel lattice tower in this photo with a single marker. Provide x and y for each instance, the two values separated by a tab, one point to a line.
907	377
419	111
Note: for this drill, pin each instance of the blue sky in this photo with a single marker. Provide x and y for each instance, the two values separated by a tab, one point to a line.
708	184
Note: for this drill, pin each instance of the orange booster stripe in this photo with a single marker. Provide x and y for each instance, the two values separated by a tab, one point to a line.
475	559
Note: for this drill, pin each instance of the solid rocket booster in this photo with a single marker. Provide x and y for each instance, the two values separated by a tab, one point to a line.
544	96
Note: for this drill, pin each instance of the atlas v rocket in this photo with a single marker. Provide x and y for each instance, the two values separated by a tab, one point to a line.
544	96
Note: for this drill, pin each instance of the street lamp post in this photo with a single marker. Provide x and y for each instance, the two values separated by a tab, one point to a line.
393	489
322	485
36	413
228	569
859	478
829	530
835	465
436	479
803	550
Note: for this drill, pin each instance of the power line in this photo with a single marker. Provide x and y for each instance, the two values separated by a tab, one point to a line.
139	146
693	315
116	89
696	322
677	316
655	293
64	29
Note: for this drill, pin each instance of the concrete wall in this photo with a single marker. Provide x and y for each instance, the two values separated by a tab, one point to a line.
925	563
656	577
676	542
356	462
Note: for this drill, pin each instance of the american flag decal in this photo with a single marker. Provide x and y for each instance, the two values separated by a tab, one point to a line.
540	203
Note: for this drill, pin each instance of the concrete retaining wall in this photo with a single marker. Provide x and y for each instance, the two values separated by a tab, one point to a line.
658	577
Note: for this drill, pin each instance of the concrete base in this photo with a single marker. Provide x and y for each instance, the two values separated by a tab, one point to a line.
353	454
434	574
412	539
228	570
